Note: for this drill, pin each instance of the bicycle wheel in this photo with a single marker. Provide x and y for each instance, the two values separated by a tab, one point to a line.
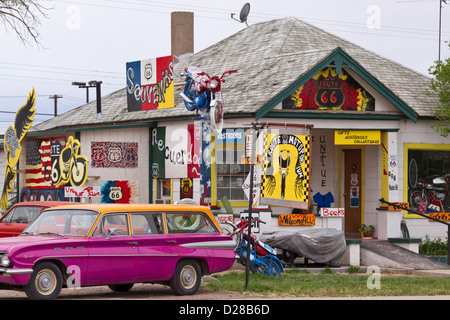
78	174
265	266
274	265
416	198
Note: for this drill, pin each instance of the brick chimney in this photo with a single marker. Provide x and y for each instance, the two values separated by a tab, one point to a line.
182	26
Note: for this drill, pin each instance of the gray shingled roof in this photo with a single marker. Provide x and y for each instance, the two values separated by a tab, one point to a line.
269	56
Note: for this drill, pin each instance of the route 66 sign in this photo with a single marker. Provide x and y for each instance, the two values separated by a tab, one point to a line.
115	154
115	193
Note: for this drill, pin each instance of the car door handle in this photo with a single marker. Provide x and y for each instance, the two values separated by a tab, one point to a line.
132	243
171	241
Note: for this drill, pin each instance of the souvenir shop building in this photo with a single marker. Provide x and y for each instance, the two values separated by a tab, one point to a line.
344	127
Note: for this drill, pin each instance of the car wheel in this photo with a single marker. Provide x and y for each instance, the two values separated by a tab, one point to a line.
187	278
121	287
45	282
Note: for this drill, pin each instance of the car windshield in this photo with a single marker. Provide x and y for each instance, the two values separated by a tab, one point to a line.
63	222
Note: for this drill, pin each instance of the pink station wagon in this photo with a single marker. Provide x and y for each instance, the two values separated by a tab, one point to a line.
115	245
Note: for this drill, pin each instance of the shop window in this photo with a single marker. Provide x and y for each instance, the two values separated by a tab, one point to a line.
189	222
428	179
231	172
163	191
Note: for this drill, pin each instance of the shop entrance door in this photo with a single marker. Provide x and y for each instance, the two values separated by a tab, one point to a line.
352	190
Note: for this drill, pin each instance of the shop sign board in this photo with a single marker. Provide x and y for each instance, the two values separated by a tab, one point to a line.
176	151
332	212
76	192
290	219
328	90
150	84
285	179
357	137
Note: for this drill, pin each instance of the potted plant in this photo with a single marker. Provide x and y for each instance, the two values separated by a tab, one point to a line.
367	231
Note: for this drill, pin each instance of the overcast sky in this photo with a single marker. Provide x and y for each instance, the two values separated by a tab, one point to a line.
92	40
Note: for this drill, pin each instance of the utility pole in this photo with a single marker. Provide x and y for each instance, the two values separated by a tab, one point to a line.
56	97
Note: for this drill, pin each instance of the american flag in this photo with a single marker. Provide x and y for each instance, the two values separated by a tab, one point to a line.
38	163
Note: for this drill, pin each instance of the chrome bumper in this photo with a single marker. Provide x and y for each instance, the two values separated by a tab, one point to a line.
15	271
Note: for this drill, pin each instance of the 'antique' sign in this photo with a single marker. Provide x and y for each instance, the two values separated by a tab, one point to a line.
332	212
357	137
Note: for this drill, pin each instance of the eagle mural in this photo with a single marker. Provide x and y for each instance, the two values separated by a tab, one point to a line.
13	137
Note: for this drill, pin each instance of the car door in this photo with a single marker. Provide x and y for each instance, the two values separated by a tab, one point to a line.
157	255
113	257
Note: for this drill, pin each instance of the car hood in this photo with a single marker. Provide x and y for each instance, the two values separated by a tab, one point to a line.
8	244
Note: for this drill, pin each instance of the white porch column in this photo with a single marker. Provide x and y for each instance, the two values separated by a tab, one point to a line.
389	221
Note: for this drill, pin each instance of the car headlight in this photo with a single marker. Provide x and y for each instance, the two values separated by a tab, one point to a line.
4	261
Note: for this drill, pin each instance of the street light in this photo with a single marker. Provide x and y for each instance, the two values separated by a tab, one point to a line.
92	84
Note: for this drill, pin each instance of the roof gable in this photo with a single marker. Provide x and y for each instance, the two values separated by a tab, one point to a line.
340	60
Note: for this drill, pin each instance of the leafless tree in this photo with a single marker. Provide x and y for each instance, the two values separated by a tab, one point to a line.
23	17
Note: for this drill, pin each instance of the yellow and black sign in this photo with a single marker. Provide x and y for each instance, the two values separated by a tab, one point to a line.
357	137
286	169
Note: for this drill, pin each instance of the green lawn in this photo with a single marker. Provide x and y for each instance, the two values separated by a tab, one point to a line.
328	284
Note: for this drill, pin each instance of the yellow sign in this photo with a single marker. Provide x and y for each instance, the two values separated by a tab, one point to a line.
357	137
286	169
404	205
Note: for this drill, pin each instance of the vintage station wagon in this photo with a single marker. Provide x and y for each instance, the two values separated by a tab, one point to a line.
115	245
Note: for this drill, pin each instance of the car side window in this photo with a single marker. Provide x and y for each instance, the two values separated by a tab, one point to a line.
189	222
109	222
24	214
144	223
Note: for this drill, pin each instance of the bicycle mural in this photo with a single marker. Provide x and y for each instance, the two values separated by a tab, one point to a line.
52	163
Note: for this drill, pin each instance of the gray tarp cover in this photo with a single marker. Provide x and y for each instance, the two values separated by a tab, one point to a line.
320	245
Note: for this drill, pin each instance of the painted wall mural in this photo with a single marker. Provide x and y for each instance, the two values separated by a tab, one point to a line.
329	91
286	169
13	137
117	191
42	158
150	84
176	152
53	162
114	154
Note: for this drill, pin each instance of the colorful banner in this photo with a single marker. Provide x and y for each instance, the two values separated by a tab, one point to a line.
78	192
114	154
150	84
286	169
205	163
176	151
329	91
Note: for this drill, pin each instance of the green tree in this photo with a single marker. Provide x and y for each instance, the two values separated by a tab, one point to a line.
440	84
23	17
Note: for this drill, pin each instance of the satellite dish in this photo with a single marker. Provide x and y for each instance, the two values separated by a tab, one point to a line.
244	14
